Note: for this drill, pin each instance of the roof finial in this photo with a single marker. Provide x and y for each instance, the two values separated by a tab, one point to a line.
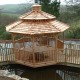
36	7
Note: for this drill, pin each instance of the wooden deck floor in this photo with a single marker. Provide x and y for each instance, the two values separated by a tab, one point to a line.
35	65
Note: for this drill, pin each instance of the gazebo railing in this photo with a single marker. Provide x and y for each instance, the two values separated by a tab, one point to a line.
6	51
8	56
56	56
73	56
62	55
69	55
45	56
72	46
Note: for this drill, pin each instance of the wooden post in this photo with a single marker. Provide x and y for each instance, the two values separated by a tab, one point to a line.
56	48
56	42
65	55
6	58
63	37
24	48
13	42
56	55
33	47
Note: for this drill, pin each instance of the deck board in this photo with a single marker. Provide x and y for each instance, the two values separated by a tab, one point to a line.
35	65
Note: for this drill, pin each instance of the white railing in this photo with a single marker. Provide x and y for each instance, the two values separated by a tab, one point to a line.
6	51
72	46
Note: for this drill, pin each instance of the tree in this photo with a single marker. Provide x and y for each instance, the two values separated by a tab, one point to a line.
0	11
72	2
5	19
6	36
49	6
70	12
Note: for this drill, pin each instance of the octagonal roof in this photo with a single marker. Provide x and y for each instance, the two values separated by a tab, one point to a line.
37	14
37	22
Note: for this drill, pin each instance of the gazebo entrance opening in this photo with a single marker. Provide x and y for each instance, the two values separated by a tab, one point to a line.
35	48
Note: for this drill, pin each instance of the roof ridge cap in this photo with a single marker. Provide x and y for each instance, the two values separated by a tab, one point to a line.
41	12
49	14
25	15
55	26
16	25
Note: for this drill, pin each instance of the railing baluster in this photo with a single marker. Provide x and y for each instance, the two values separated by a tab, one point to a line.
6	53
70	54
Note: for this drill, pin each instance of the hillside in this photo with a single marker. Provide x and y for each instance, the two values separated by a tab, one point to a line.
15	8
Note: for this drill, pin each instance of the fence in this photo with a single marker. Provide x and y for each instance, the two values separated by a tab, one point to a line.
70	54
6	51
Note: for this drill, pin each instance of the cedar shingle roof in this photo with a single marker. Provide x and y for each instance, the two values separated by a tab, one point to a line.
37	22
37	14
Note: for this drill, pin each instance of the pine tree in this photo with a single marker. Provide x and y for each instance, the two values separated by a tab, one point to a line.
50	7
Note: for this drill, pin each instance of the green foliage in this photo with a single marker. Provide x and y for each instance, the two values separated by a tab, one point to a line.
6	36
5	19
74	31
2	29
3	34
67	17
55	6
70	14
50	7
74	34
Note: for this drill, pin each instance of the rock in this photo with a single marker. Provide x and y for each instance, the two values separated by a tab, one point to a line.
6	73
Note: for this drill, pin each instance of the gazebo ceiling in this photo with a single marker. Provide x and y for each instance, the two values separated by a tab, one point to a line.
37	22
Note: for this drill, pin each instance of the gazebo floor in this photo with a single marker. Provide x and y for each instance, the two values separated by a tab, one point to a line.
36	65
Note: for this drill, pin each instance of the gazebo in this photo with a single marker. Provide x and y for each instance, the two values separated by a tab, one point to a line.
35	38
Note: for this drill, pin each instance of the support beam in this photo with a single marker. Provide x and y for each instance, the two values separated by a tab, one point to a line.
13	42
55	42
55	36
33	47
63	37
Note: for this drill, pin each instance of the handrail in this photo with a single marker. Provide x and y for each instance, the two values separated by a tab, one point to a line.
6	51
61	55
72	39
70	54
5	41
72	46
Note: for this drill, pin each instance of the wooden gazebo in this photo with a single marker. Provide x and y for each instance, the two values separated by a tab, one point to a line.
35	38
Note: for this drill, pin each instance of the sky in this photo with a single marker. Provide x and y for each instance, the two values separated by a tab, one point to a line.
2	2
